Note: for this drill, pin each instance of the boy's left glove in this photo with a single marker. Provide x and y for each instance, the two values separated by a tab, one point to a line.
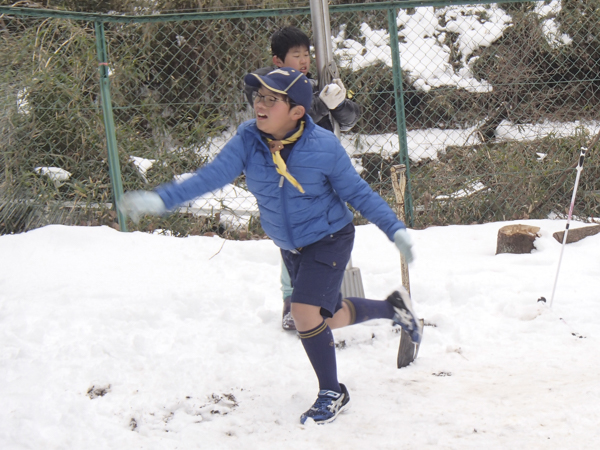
135	204
333	94
404	244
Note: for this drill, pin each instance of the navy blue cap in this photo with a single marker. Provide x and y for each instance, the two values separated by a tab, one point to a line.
285	80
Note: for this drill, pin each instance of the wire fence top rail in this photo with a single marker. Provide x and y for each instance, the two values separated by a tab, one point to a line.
236	14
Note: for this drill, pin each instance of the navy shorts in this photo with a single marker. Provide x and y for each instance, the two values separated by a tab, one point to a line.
317	270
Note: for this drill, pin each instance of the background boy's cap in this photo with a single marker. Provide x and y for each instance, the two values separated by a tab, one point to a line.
285	80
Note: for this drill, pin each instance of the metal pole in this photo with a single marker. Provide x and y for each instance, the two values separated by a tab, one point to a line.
400	113
326	70
114	167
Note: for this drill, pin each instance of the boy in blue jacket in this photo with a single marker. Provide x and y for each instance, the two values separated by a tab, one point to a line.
301	177
290	47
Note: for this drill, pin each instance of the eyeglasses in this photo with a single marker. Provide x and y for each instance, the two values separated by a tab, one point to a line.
268	100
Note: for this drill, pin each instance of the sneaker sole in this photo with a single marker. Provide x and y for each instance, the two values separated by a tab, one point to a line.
405	296
407	350
323	422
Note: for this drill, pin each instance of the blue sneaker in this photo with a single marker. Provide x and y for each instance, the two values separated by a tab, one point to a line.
405	315
328	405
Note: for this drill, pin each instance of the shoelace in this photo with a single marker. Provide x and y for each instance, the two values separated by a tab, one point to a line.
323	403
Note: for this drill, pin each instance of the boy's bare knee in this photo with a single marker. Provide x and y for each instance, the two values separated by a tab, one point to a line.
341	318
306	317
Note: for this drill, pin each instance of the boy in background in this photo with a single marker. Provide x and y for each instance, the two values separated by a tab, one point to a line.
290	47
302	178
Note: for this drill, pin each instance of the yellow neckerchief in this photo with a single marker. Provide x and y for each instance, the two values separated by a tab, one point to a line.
276	146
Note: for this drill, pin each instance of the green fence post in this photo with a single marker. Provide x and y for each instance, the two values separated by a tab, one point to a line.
400	113
114	167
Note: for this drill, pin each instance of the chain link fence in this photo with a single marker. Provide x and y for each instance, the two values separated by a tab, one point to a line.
490	104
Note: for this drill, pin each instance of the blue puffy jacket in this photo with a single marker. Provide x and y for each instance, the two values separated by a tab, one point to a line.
290	218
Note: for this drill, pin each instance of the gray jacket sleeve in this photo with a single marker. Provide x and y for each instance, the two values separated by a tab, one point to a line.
347	114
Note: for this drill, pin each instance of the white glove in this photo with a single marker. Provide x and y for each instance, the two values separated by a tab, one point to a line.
135	204
333	94
404	244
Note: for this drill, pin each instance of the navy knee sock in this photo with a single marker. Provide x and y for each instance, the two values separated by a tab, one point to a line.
363	309
320	348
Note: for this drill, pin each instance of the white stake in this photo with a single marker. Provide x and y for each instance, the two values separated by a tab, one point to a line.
562	249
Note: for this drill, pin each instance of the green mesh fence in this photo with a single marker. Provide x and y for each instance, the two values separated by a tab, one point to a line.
489	103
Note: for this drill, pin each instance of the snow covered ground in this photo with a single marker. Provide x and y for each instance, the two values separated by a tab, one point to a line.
115	340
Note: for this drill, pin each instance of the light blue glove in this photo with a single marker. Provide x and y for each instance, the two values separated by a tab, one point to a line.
135	204
404	244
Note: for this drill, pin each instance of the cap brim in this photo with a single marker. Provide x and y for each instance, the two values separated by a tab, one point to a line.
255	80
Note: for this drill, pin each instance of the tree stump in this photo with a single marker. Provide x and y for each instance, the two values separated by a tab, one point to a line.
577	234
516	238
